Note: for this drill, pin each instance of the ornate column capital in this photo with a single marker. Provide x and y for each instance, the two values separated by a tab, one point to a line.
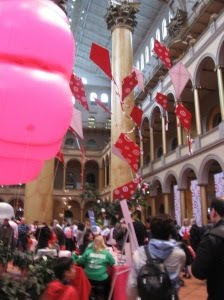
122	15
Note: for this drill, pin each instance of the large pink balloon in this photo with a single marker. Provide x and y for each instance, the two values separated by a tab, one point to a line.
36	60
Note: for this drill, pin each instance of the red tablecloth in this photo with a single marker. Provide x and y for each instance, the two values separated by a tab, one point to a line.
119	278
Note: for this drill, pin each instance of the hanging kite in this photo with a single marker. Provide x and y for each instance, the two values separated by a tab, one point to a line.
97	101
127	190
161	99
76	123
140	78
101	57
163	53
128	84
78	91
136	115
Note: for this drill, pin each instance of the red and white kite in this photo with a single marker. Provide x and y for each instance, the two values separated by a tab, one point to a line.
128	84
60	157
101	57
140	78
127	190
161	99
136	115
76	123
78	91
179	76
184	116
117	153
163	53
102	105
129	150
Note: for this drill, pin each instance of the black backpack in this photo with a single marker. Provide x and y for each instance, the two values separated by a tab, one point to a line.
153	280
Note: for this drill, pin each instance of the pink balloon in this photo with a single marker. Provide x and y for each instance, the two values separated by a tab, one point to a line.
36	60
15	170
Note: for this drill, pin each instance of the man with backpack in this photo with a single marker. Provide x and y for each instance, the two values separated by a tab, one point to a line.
156	266
209	261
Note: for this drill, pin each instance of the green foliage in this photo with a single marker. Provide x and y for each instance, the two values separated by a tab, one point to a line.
22	259
5	254
89	193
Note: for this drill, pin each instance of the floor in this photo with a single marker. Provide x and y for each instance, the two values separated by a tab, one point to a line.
193	290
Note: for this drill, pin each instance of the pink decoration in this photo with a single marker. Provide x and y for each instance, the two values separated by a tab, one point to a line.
117	153
60	157
179	76
128	84
196	202
136	115
129	150
219	184
127	190
76	123
161	99
36	102
140	78
97	101
78	91
163	53
100	56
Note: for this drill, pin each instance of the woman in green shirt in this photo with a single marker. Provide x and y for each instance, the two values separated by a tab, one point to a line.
96	260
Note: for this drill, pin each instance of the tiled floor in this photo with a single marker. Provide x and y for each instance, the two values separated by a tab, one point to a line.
193	290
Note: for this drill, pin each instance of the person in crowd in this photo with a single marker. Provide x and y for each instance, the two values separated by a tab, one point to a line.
87	240
96	260
69	240
23	230
59	233
111	241
119	234
34	226
62	289
80	235
6	233
209	261
32	242
161	247
139	228
185	230
147	227
14	226
196	233
43	236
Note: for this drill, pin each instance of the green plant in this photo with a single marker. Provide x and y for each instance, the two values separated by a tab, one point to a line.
89	193
6	254
22	259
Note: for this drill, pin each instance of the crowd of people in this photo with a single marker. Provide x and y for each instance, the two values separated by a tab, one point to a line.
162	243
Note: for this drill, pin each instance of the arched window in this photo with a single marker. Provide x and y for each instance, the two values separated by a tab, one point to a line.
138	65
91	179
158	35
164	29
91	144
152	46
142	62
91	122
108	124
92	96
147	54
69	142
104	98
84	80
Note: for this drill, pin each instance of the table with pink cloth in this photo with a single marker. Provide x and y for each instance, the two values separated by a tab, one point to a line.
119	281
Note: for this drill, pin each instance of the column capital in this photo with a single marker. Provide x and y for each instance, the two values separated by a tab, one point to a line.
220	67
122	15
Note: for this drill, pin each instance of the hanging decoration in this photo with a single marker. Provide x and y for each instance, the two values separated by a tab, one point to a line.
128	84
140	78
78	91
136	115
101	57
129	150
219	184
127	190
179	76
117	153
76	123
176	194
60	157
97	101
163	53
196	202
32	130
161	99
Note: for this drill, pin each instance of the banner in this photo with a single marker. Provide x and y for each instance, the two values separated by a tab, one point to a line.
219	184
196	202
92	221
176	193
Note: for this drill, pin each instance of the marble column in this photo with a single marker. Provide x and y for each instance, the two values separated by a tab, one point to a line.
179	133
64	176
221	89
121	20
152	149
164	136
39	196
101	179
166	203
182	205
197	111
105	175
204	204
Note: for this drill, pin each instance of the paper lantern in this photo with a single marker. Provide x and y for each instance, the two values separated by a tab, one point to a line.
36	61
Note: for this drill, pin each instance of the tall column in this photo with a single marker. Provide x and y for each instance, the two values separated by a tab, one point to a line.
204	203
166	203
105	175
64	176
38	196
152	150
121	20
179	134
153	205
101	175
197	111
221	90
164	135
182	205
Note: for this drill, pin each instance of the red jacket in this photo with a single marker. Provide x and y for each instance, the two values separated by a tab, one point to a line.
58	291
82	284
